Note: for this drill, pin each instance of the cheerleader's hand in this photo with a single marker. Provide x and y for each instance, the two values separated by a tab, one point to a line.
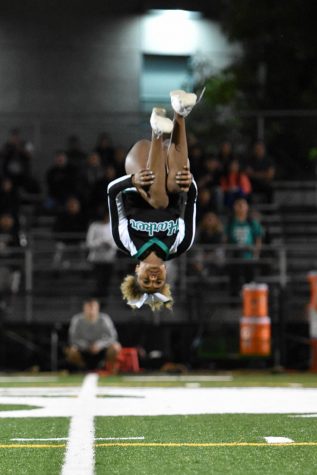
143	178
184	179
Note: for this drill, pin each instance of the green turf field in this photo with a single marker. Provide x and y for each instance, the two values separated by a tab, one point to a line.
213	443
231	449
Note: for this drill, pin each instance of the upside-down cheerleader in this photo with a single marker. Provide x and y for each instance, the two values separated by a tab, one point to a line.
152	208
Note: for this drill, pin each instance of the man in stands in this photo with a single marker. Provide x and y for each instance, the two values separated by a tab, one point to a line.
93	339
261	171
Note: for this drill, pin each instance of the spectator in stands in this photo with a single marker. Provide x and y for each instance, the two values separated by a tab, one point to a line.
196	155
204	202
75	154
102	251
9	236
91	173
234	184
93	339
9	197
119	160
245	234
61	180
225	154
16	159
210	178
9	241
71	221
105	149
210	232
70	227
97	194
260	169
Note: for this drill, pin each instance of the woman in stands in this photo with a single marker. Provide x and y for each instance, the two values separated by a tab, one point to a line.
152	208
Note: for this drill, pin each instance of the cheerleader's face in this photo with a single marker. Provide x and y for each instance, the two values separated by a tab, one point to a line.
151	278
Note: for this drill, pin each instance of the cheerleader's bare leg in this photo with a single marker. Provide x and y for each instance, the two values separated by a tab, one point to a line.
146	155
177	156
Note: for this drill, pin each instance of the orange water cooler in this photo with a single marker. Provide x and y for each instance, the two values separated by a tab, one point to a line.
255	324
312	312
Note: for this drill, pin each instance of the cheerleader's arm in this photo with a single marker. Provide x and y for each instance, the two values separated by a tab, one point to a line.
117	214
189	222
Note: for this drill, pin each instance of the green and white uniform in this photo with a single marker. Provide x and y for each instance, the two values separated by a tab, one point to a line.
139	229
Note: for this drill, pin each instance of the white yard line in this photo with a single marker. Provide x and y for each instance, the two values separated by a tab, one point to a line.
28	439
80	456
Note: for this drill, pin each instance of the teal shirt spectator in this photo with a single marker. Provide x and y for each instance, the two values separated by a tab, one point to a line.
243	233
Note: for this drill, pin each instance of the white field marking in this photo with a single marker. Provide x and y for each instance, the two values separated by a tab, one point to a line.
39	392
192	385
178	378
175	401
305	415
278	440
27	439
28	379
80	456
295	385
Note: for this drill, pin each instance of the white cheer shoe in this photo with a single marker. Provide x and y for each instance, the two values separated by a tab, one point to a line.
160	123
183	102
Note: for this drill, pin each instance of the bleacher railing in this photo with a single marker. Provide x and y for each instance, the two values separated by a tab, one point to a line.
277	264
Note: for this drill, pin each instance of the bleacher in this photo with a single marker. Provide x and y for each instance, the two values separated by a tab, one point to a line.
54	280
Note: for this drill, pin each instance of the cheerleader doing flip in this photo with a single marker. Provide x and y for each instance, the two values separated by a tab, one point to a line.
152	208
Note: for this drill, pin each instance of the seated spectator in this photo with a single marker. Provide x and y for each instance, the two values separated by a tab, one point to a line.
16	159
93	339
210	178
120	154
105	149
204	202
75	154
61	181
102	251
196	154
70	227
260	169
9	235
210	232
92	172
97	195
71	222
225	154
245	234
234	184
9	241
9	197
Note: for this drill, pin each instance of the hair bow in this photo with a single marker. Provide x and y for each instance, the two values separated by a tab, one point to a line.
148	299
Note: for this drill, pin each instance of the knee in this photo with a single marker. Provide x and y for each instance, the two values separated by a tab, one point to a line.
73	355
113	350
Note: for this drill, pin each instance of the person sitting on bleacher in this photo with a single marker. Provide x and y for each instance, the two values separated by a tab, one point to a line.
93	339
261	171
70	233
245	233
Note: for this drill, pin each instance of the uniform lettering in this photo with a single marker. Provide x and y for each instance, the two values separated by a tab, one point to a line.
170	227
